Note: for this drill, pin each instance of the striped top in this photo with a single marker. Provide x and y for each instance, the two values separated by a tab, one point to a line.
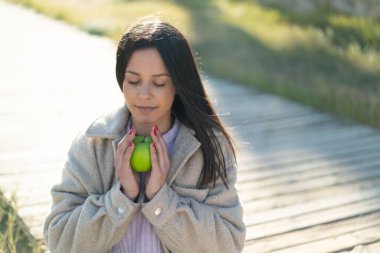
140	236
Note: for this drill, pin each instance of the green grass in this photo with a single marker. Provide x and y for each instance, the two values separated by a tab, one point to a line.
325	59
14	235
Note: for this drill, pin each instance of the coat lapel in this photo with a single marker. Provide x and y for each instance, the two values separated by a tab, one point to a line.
185	145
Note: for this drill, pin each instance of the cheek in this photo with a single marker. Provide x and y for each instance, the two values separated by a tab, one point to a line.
128	96
168	100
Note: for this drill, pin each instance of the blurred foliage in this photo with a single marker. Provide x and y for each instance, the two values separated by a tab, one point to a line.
14	235
342	29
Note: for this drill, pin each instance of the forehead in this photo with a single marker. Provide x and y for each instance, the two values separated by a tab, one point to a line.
146	60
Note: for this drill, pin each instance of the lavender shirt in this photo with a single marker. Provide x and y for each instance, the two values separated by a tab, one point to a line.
140	236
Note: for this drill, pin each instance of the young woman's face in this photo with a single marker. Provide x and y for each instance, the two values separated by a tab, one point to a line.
148	89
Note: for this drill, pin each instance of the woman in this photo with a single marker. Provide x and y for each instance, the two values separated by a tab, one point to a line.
188	201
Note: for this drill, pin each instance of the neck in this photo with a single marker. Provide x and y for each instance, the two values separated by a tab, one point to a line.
144	129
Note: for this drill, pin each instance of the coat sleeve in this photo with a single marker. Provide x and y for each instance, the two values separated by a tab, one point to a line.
186	224
85	217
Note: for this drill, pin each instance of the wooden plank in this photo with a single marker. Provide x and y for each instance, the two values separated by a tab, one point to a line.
32	178
315	233
301	138
303	221
338	243
300	198
301	122
277	142
232	118
324	146
287	175
247	116
259	180
309	185
302	164
255	115
365	248
326	202
36	166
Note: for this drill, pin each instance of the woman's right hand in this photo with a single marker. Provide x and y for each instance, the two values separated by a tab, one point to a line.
129	179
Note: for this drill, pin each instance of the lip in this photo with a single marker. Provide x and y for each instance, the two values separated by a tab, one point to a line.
145	109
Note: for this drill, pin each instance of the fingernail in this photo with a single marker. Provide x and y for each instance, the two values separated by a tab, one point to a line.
155	129
130	131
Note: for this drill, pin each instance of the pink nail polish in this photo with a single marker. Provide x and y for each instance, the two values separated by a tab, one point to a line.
155	130
130	131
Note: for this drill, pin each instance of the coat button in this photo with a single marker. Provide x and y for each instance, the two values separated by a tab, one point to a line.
157	211
120	210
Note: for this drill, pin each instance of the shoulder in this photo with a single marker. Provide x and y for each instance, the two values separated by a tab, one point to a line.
110	124
221	141
225	146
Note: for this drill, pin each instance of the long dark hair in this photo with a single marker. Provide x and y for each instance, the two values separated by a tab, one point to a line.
191	104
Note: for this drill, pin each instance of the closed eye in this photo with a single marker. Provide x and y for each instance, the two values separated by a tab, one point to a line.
133	83
159	84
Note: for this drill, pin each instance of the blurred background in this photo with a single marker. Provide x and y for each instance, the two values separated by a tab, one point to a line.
321	53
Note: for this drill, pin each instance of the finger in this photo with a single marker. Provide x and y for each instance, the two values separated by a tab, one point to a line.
127	155
153	157
124	143
119	159
123	140
162	149
164	145
161	139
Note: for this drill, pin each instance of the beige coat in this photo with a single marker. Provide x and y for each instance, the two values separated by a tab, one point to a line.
91	214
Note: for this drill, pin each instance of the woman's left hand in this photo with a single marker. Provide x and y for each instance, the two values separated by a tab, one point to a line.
155	179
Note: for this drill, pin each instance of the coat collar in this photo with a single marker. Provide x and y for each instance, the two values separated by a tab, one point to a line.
185	145
112	126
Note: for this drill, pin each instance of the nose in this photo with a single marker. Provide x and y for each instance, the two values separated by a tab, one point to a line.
144	91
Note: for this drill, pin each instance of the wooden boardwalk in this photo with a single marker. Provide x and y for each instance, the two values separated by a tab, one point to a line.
309	182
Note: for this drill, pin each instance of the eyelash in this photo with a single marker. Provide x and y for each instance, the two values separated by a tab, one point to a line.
133	83
156	84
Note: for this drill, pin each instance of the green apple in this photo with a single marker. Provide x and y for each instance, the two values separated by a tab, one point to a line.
140	158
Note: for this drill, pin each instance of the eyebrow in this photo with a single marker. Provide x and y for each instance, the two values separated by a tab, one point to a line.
137	74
